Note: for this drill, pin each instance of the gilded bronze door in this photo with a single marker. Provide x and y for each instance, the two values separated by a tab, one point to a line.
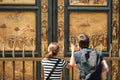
28	26
97	18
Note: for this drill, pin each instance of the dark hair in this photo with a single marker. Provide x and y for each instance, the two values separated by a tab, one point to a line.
53	49
83	41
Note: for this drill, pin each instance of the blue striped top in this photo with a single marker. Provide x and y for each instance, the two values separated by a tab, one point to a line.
48	65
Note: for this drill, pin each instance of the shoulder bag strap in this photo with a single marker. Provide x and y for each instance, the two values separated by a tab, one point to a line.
53	69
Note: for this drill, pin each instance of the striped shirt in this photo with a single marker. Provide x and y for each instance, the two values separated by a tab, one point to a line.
48	65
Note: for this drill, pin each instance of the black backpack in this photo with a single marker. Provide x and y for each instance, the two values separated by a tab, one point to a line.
89	60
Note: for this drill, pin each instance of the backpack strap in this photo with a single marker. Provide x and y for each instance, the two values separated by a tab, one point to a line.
53	69
98	57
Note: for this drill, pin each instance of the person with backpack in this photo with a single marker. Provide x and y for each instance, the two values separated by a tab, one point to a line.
90	62
53	65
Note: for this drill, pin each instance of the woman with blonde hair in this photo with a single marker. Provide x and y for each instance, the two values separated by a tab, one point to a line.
53	65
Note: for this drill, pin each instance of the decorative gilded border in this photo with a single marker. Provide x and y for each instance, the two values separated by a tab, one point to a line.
44	26
61	26
115	39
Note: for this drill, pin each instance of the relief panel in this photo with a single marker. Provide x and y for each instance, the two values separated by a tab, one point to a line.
18	31
25	2
88	2
94	24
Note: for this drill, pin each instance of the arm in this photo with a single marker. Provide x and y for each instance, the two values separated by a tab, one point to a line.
72	60
105	66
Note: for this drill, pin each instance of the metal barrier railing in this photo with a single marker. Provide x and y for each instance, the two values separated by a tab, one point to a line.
12	67
8	68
